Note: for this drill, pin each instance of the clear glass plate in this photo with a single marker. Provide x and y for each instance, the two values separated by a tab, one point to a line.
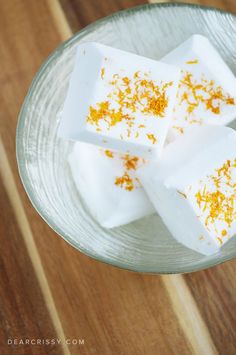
146	245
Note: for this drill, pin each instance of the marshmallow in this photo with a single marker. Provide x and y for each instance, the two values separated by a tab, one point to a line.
108	184
193	187
119	100
207	90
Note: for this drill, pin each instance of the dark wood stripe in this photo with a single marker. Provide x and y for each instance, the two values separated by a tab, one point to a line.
80	13
22	309
227	5
215	293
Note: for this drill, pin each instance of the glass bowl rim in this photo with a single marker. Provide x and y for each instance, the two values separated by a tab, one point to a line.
20	128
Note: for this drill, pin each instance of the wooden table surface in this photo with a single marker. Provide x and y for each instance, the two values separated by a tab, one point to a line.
48	290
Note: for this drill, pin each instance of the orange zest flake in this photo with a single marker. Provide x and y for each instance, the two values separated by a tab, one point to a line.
220	240
127	96
193	121
125	181
96	114
157	106
201	237
141	126
224	233
130	162
152	138
195	61
126	81
230	101
182	193
130	124
102	73
219	202
103	112
178	128
202	92
109	153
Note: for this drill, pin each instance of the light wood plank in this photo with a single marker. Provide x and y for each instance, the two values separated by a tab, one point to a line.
190	319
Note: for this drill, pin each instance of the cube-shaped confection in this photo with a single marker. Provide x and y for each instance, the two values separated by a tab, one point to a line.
119	100
207	89
193	187
108	184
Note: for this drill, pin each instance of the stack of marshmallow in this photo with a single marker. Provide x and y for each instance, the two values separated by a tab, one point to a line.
150	136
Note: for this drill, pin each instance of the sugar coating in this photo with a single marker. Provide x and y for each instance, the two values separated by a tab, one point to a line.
119	100
207	90
193	187
108	184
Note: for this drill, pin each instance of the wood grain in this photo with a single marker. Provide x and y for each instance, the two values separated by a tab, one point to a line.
80	13
96	303
215	293
115	311
28	240
227	5
22	309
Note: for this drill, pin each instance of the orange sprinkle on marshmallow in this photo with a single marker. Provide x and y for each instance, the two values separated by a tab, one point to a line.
127	96
152	138
204	92
219	202
125	181
224	233
130	162
102	73
182	193
195	61
109	153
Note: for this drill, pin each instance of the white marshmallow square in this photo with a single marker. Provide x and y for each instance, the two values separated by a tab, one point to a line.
193	187
119	100
207	89
108	184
